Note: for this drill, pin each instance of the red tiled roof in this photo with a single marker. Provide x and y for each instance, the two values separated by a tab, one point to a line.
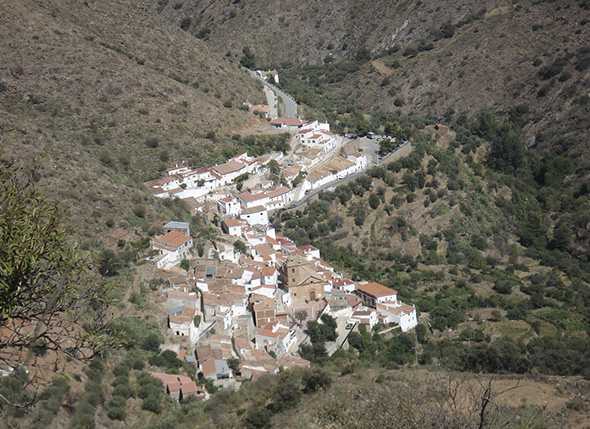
273	193
342	282
250	197
158	183
276	192
268	271
208	368
376	290
353	300
174	382
229	167
232	222
288	122
174	238
255	209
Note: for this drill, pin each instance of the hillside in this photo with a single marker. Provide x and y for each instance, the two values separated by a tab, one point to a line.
409	57
364	66
98	96
497	285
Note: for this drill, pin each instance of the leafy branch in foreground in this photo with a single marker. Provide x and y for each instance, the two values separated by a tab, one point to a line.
51	304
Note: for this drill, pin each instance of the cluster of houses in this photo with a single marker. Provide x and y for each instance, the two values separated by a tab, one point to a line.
182	181
240	311
319	159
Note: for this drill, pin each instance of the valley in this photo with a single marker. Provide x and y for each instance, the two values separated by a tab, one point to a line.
294	214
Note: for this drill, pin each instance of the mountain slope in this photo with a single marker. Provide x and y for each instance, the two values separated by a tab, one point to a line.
412	57
384	61
98	96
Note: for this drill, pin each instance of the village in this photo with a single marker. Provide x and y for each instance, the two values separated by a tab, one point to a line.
240	310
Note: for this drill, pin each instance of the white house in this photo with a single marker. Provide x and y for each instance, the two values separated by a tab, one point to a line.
256	215
185	324
254	237
264	253
179	168
183	314
227	172
403	315
229	206
173	247
310	252
250	279
336	169
227	252
183	182
345	285
316	126
320	139
270	276
367	317
233	226
273	199
372	293
199	177
279	198
277	338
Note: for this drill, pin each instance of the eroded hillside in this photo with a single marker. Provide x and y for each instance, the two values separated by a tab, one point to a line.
99	96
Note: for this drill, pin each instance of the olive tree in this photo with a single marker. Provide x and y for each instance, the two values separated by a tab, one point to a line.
49	294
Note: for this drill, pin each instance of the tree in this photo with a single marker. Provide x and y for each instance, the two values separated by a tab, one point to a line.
315	380
356	341
116	408
329	324
248	59
152	342
234	365
167	359
47	293
286	395
300	316
562	237
299	179
109	263
274	167
153	403
258	418
503	286
401	349
315	352
507	151
240	247
374	201
184	264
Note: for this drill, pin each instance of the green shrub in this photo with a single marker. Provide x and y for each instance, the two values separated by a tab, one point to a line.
152	142
116	408
152	403
503	286
258	418
315	380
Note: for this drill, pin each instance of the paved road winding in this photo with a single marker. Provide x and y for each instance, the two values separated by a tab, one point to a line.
287	106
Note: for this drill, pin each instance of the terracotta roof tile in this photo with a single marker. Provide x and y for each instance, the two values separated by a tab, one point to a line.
376	290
